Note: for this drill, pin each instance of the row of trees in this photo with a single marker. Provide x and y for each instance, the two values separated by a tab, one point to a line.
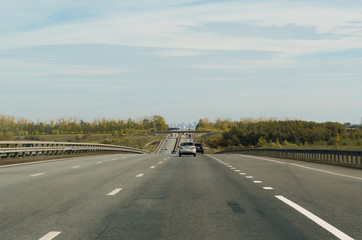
270	133
10	126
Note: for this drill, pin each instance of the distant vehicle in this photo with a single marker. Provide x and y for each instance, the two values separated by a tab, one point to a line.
187	148
199	147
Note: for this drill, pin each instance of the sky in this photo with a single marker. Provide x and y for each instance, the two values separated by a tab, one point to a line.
183	60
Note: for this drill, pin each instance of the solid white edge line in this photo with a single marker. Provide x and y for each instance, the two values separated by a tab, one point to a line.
301	166
37	174
114	192
50	235
336	232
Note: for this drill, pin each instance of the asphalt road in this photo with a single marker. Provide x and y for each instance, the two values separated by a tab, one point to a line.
163	196
168	144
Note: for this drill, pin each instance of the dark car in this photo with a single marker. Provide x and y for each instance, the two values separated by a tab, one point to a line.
199	147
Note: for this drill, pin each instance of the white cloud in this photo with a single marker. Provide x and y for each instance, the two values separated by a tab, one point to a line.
211	79
266	64
15	69
168	27
179	53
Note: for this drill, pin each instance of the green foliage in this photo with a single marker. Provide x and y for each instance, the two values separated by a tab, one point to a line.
9	126
272	133
78	137
219	125
261	142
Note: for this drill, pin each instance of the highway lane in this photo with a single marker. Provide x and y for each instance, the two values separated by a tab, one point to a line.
163	196
168	144
330	192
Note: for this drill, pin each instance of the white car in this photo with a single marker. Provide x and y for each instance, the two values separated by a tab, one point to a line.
187	148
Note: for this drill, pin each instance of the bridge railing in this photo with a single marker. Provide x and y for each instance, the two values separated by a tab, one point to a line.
339	157
36	148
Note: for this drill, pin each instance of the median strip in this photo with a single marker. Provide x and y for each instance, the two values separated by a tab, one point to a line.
336	232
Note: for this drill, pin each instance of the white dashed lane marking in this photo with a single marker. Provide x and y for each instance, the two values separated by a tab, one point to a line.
114	192
257	182
249	177
152	167
309	168
140	175
37	174
268	188
50	235
76	167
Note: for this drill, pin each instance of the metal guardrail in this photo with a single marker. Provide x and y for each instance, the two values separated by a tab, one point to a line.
37	148
340	157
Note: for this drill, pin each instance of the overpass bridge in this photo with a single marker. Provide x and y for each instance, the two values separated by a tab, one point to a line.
180	131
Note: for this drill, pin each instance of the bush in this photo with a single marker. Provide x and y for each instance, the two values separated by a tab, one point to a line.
78	137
